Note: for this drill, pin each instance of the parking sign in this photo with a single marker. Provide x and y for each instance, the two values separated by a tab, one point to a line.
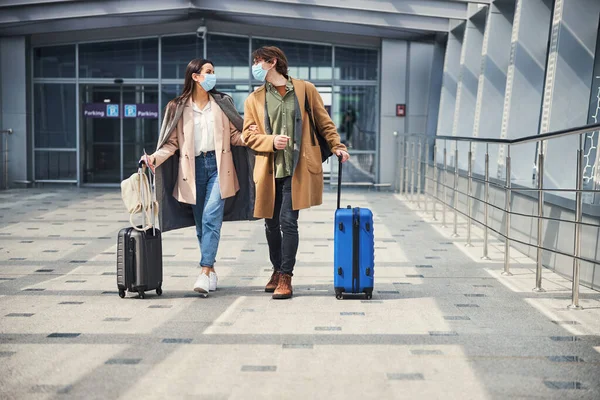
112	110
130	110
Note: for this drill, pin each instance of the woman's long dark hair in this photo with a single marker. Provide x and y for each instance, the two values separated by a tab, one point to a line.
194	67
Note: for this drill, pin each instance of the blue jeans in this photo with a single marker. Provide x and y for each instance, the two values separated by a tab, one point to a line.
208	211
282	229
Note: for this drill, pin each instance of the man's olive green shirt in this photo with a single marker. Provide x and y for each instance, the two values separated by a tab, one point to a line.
281	115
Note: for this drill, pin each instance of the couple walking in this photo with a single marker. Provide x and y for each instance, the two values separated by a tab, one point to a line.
196	177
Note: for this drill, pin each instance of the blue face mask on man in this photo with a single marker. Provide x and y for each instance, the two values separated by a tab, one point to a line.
210	80
258	72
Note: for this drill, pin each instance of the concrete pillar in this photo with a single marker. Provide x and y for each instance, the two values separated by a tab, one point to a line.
524	85
13	104
419	83
568	83
450	83
435	88
492	79
470	68
394	69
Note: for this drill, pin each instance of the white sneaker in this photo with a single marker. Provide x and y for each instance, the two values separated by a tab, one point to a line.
202	284
213	281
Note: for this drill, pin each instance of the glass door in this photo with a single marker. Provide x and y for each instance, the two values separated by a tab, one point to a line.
356	117
101	134
140	124
118	122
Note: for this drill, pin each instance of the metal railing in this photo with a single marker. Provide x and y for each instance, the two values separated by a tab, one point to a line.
4	161
416	170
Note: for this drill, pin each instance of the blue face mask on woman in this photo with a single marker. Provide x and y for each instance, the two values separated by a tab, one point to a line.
258	72
210	80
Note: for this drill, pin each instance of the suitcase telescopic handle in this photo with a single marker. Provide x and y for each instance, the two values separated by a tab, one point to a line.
152	183
339	188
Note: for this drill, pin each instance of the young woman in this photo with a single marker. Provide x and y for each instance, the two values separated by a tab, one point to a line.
196	139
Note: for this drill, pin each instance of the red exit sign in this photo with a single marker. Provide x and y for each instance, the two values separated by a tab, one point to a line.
400	110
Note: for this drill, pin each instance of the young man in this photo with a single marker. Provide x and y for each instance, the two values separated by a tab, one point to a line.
288	171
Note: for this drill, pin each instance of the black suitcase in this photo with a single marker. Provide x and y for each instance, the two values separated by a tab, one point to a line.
139	261
139	258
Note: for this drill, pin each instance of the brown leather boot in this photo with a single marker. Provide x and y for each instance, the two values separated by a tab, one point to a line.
284	289
273	282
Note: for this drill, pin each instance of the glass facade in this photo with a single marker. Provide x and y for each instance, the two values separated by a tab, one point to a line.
591	160
306	61
94	115
55	165
54	124
119	59
54	62
177	51
356	64
230	55
55	131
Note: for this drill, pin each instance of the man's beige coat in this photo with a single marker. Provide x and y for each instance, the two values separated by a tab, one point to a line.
307	180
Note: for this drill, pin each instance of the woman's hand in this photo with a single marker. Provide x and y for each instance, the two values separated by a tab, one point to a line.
149	161
253	129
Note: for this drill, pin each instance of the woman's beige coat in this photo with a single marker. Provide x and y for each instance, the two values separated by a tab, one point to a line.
182	139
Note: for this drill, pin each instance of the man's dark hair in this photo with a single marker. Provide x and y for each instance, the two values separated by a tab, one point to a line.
268	53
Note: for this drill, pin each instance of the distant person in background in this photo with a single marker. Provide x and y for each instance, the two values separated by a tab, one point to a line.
348	124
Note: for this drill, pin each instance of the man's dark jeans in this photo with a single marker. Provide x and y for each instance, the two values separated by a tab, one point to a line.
282	229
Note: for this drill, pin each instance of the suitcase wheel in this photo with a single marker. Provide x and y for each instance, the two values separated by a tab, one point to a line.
142	294
369	296
122	293
339	295
159	290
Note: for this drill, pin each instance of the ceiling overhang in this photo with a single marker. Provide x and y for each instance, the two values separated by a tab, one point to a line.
403	19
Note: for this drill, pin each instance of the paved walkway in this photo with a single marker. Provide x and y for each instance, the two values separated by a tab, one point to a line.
442	324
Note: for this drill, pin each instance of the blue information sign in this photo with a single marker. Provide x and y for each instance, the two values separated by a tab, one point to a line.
112	110
130	111
103	110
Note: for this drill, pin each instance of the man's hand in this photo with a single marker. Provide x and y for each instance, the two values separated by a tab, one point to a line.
280	142
341	153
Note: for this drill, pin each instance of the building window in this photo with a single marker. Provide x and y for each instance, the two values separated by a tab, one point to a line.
54	128
305	61
355	64
54	62
55	165
239	94
168	93
54	115
230	55
177	52
119	59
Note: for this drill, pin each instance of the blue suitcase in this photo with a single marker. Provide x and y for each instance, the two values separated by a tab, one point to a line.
354	249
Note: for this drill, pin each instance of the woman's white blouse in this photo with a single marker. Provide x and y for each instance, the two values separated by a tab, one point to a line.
204	137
